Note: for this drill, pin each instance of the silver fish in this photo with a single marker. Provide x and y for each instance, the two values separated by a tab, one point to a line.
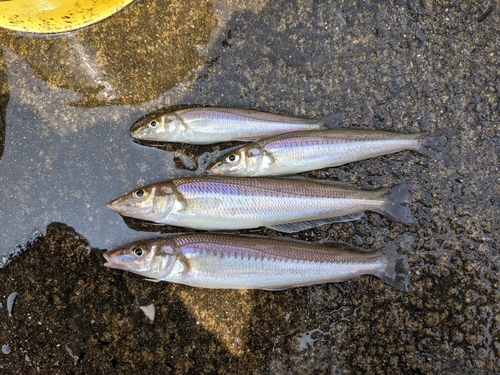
213	125
240	262
287	205
306	151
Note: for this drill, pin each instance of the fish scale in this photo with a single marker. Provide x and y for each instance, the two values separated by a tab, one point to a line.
275	249
237	199
235	114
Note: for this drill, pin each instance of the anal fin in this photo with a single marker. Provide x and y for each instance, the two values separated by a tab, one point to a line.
303	225
153	280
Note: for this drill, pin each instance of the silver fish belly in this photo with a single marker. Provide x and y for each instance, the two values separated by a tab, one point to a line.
242	262
287	205
214	125
306	151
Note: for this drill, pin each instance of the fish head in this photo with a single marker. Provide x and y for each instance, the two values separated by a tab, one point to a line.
157	128
153	258
244	162
151	203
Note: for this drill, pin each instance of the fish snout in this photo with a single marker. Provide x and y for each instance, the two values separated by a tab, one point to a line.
110	206
116	206
141	134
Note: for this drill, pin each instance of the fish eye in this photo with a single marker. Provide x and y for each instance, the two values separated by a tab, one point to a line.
139	252
233	158
139	193
153	124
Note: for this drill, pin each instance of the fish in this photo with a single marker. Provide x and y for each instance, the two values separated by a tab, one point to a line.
305	151
232	203
202	126
223	261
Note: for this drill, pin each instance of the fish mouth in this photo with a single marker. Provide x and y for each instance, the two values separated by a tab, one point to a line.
110	206
144	135
213	169
135	135
108	263
128	208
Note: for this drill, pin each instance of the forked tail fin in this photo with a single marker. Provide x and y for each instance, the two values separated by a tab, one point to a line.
335	119
432	145
396	204
396	272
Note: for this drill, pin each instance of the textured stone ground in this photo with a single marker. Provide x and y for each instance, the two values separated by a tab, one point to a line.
400	66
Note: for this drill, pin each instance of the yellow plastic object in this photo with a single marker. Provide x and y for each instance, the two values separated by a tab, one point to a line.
55	16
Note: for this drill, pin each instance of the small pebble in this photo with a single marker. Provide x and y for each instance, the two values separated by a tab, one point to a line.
70	352
149	311
6	349
11	299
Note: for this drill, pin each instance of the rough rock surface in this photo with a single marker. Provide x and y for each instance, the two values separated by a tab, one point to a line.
402	66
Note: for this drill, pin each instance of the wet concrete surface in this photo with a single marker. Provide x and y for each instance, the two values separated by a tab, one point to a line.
396	66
